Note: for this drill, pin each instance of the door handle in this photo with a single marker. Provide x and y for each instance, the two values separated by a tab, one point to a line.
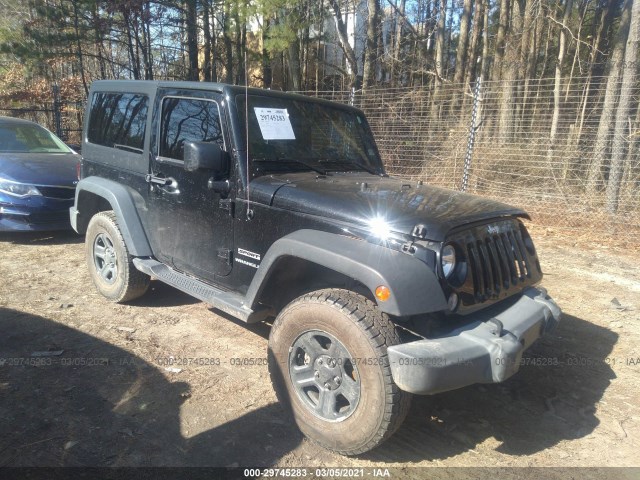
150	178
170	186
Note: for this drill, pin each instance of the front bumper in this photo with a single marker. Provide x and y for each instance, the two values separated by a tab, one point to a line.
25	219
486	350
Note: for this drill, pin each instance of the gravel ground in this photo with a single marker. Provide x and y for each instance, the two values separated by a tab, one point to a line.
106	396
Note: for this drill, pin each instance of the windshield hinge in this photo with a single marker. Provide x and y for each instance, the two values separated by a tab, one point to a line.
225	255
227	205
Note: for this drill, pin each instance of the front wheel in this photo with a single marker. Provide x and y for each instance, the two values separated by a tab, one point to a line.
329	366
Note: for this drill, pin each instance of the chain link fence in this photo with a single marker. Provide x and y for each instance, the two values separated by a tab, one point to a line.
64	118
562	179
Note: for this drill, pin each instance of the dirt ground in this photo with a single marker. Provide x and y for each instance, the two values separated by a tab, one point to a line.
103	395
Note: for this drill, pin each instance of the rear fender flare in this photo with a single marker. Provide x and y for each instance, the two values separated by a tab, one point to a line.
123	201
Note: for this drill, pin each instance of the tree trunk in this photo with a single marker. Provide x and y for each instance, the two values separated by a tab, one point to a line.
293	59
463	42
98	39
596	67
485	42
206	48
396	71
343	39
191	22
145	41
632	166
576	56
442	18
304	46
536	27
509	74
503	23
369	73
267	73
448	34
608	115
132	56
528	31
76	27
620	133
600	28
472	53
558	77
439	61
228	42
238	48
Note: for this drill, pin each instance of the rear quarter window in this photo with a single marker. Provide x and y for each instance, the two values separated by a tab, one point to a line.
118	120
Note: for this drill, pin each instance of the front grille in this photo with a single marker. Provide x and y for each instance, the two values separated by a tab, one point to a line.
62	193
497	262
500	260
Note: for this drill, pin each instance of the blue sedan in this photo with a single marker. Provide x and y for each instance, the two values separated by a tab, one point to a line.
38	177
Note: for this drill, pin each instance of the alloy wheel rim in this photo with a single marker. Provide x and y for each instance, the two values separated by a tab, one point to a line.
324	376
105	259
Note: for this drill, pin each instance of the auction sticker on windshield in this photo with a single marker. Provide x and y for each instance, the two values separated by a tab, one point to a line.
274	123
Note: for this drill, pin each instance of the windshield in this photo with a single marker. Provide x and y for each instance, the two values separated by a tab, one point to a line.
295	135
27	138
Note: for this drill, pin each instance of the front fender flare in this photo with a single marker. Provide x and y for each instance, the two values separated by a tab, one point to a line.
123	202
414	286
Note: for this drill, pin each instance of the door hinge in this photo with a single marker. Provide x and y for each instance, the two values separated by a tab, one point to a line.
227	205
225	254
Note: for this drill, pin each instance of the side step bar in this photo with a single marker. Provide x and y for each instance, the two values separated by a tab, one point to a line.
228	302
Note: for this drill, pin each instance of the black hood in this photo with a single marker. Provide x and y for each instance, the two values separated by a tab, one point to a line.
357	198
40	168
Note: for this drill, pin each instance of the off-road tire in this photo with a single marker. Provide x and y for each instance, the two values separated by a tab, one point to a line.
365	332
127	283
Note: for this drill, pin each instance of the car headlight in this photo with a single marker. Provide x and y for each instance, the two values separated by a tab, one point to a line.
448	260
17	189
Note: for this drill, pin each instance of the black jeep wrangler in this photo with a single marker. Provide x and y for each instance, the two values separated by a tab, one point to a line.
265	204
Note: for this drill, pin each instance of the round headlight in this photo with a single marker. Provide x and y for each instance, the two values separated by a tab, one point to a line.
448	259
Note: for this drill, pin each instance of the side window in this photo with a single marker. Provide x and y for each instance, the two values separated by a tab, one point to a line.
118	120
188	120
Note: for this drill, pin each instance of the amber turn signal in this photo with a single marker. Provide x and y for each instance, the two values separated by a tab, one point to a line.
383	293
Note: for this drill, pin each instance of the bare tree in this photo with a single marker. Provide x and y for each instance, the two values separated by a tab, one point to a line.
562	46
463	42
373	15
501	36
439	60
343	39
485	42
620	133
191	23
228	42
208	40
474	44
612	88
509	75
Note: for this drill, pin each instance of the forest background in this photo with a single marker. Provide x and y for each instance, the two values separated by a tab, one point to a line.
534	102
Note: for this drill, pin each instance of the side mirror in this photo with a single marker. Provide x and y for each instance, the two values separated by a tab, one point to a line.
205	156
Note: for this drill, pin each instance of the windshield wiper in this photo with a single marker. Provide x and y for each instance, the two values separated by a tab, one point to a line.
315	168
367	168
355	163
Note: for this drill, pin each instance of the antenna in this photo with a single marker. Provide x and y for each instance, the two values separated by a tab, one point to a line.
246	131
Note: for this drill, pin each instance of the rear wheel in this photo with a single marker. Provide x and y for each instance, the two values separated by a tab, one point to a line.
109	262
329	366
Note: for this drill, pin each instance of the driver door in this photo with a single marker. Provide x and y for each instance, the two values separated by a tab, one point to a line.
191	223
